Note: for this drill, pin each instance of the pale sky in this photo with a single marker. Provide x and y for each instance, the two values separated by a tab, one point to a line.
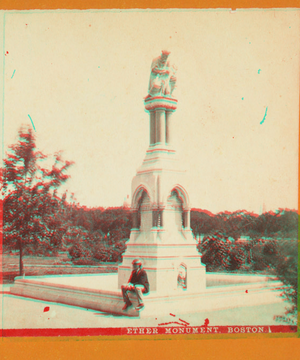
82	77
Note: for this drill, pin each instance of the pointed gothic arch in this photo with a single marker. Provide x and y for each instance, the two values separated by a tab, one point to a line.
182	195
138	194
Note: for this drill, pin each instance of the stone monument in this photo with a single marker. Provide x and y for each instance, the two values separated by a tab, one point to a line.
161	235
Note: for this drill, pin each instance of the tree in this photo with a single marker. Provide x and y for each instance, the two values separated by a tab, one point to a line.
216	252
285	265
237	258
202	222
30	200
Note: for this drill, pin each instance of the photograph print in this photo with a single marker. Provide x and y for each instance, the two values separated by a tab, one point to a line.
149	172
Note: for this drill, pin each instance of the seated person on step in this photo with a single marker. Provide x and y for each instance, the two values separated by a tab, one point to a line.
137	283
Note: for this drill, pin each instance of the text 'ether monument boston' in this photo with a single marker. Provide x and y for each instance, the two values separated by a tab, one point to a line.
161	235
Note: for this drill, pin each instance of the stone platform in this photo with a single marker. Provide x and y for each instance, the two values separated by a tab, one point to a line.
100	292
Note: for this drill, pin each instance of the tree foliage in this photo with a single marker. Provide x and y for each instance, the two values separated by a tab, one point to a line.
31	205
280	224
279	258
102	233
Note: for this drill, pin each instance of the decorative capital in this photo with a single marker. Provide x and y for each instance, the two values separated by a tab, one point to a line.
160	102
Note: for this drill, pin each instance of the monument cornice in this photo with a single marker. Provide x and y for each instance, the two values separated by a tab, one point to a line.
160	150
160	102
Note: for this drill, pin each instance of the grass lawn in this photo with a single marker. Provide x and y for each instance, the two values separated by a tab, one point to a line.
39	266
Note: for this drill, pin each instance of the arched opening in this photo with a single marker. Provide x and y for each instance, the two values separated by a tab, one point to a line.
173	211
182	195
177	209
141	210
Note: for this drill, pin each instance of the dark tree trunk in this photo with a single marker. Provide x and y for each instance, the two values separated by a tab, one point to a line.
21	258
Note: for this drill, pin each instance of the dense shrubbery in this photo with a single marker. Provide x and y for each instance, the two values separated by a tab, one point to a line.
101	233
271	247
279	224
110	254
237	258
279	258
220	254
86	262
77	251
285	266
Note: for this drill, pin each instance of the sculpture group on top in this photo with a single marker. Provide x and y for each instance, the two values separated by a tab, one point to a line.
162	77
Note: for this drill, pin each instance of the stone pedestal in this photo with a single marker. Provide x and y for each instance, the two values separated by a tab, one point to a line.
161	236
99	292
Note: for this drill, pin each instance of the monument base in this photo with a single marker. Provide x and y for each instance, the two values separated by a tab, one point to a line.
166	255
100	292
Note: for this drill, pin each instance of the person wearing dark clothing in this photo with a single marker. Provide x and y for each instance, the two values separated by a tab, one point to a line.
137	283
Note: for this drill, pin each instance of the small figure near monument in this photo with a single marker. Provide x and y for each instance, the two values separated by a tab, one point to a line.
162	77
137	283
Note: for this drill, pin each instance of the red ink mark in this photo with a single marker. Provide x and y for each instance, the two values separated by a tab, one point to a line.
206	322
233	137
6	53
184	321
90	25
246	291
172	322
47	308
172	314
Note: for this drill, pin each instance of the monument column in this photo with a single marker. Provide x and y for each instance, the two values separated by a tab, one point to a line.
154	218
160	118
187	219
152	128
160	218
168	127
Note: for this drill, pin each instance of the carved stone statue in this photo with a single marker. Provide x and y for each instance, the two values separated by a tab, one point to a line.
181	279
162	77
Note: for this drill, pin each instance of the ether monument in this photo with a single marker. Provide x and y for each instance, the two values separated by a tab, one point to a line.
161	235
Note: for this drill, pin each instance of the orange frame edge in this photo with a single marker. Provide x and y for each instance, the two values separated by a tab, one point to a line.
277	346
